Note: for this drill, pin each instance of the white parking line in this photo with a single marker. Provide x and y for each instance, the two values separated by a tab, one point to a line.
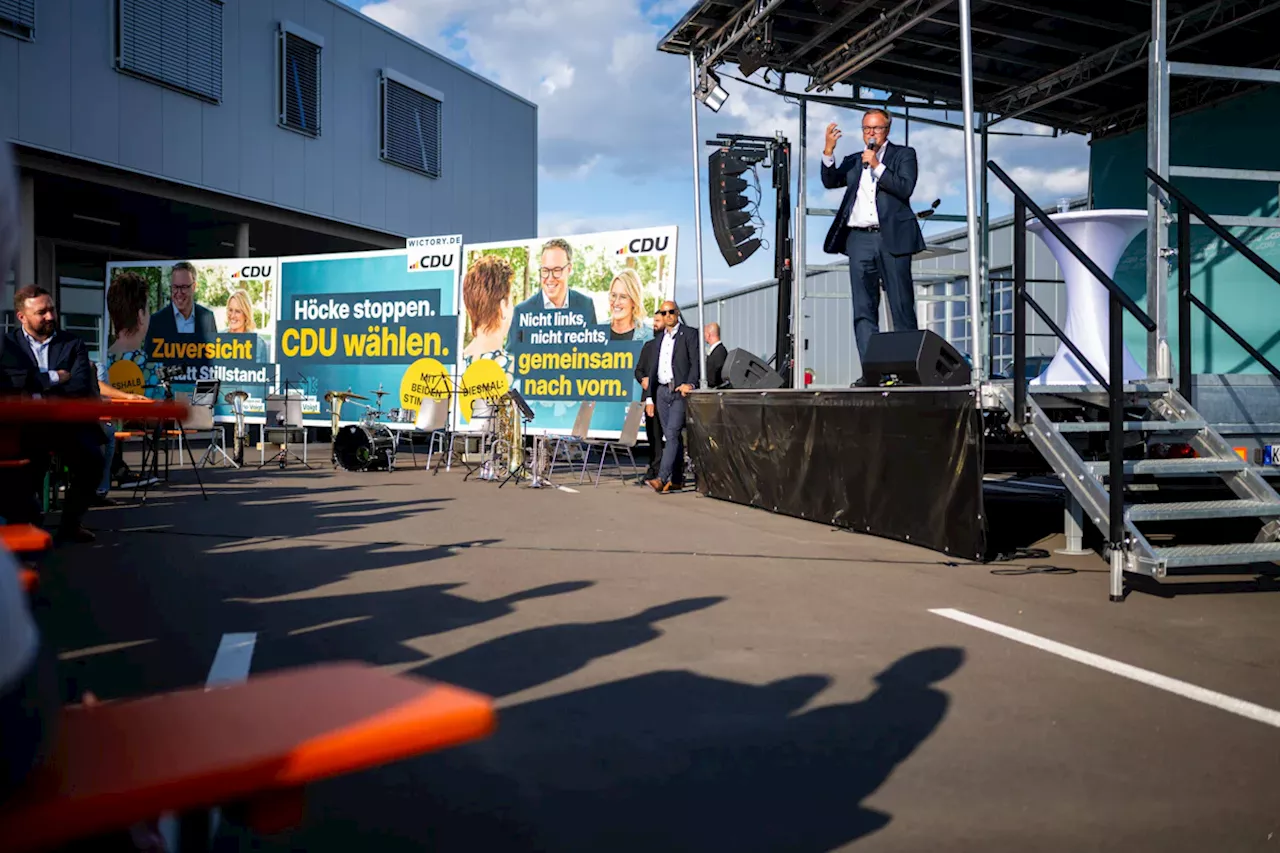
231	663
1152	679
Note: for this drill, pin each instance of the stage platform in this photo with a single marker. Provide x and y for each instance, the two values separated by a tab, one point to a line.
931	466
905	463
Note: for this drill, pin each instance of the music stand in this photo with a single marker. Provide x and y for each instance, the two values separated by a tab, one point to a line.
283	415
158	431
527	416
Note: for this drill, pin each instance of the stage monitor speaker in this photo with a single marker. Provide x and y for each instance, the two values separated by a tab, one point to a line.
744	370
916	358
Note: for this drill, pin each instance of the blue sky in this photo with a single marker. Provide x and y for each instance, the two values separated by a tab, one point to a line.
614	135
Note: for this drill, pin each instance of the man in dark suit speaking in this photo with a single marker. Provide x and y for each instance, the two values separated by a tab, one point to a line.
874	226
554	268
182	316
675	373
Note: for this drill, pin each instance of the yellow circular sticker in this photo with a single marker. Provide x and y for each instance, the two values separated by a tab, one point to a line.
124	375
426	377
483	380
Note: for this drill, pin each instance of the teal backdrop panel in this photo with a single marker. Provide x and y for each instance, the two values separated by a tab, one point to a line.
1238	134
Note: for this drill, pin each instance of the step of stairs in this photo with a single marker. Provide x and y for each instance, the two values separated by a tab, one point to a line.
1171	467
1131	426
1190	510
1201	556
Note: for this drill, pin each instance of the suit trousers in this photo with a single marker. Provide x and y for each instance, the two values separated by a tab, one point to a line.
670	407
653	432
869	264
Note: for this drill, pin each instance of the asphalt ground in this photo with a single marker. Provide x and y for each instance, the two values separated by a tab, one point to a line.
678	673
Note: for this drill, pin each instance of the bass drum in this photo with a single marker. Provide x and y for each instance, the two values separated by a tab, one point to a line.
364	447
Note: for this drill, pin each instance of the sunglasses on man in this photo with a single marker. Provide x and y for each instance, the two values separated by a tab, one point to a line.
665	313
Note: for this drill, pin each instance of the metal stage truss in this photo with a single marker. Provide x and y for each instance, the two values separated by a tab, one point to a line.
1073	66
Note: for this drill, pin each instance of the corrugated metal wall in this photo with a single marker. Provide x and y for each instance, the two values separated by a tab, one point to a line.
61	93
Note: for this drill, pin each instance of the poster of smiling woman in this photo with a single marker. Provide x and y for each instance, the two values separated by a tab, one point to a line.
202	320
562	320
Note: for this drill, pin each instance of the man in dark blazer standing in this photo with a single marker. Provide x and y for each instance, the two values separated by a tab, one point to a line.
875	227
42	360
675	374
652	429
716	355
182	316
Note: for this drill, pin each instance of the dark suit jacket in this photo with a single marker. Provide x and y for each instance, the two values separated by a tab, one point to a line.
165	327
578	302
66	352
899	228
715	365
648	359
686	367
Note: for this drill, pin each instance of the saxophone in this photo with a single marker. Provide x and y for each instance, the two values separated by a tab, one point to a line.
507	448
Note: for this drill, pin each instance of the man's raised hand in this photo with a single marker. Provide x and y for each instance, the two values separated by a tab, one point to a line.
833	133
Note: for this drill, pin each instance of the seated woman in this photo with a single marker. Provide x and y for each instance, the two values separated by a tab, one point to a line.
626	308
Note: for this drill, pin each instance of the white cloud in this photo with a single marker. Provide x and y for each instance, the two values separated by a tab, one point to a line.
613	119
607	100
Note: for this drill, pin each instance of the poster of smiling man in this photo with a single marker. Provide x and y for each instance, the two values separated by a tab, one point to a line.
562	320
193	320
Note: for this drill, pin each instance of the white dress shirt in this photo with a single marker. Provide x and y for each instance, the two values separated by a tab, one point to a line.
40	351
864	213
666	350
185	325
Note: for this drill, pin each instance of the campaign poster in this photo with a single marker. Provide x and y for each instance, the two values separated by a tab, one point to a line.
562	320
369	322
173	323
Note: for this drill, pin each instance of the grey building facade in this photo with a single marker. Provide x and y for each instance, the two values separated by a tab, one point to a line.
748	316
215	128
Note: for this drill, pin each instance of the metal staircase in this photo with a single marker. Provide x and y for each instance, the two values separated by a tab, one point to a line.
1098	437
1056	427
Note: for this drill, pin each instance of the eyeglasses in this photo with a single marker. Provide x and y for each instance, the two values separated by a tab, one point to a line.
875	127
665	313
180	287
558	272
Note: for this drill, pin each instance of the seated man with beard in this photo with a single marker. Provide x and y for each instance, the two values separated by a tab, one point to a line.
42	360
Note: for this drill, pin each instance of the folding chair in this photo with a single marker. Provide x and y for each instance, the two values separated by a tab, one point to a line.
433	418
576	438
199	424
628	439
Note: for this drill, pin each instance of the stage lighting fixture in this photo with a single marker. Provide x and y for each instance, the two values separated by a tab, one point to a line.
732	225
710	92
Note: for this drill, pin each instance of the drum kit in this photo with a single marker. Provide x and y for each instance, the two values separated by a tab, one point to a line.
367	445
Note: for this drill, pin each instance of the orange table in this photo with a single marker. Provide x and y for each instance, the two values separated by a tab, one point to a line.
122	762
18	410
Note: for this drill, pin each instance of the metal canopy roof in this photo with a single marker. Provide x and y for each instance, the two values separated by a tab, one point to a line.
1074	65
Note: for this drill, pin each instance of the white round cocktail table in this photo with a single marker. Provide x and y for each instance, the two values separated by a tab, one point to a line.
1103	235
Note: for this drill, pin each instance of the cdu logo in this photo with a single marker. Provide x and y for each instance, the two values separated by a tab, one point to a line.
645	245
253	272
432	262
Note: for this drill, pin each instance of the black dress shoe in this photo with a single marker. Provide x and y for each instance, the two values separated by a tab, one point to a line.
77	535
863	382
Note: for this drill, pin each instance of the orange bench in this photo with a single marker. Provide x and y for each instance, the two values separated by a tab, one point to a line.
256	743
24	539
25	410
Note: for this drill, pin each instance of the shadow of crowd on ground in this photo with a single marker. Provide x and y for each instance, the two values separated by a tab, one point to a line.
670	759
